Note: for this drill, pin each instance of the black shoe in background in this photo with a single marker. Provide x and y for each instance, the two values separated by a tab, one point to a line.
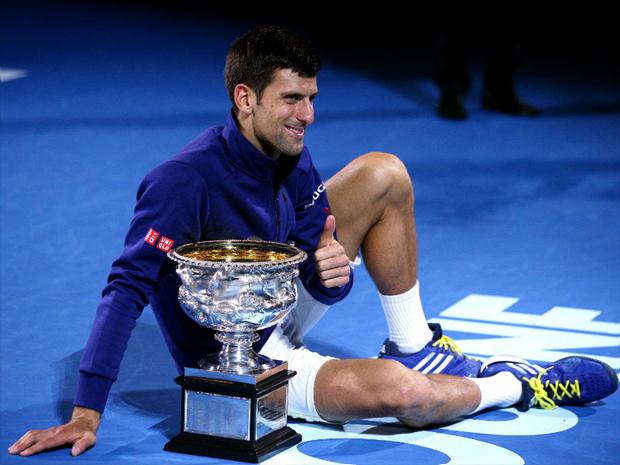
452	105
509	103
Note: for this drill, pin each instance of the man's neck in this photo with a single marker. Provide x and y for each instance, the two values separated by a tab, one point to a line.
245	128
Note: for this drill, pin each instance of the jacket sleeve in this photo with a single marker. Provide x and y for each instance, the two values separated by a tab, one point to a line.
311	210
172	205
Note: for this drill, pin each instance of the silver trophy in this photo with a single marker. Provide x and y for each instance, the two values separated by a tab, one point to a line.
234	405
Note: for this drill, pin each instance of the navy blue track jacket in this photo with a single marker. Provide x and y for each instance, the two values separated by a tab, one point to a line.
219	187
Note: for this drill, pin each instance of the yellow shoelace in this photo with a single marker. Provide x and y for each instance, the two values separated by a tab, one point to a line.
445	342
558	390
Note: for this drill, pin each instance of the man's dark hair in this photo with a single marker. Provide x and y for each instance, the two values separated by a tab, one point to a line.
254	57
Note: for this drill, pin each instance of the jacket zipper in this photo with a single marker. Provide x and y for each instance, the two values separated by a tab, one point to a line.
277	215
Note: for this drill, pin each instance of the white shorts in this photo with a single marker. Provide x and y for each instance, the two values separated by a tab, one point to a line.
286	343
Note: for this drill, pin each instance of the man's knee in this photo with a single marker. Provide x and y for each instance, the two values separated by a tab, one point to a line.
386	174
408	392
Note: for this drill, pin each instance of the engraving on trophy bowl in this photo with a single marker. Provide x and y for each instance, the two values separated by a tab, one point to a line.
237	287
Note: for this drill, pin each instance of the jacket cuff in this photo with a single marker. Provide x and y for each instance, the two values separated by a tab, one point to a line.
328	295
92	391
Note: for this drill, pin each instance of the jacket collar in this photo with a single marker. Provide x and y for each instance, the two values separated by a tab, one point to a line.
246	157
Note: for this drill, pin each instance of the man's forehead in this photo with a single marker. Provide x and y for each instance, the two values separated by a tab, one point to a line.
287	80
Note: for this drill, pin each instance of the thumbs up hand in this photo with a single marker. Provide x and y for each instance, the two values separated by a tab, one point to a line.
332	263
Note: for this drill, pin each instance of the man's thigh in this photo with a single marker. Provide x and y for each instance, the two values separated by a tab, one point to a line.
356	197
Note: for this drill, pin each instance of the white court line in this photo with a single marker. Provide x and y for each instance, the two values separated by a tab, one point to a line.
8	74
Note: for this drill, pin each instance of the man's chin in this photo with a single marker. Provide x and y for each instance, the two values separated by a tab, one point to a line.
293	151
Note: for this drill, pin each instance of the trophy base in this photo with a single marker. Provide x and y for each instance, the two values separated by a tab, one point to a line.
234	416
234	449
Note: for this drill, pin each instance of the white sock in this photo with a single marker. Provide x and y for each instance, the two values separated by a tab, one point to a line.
407	326
500	390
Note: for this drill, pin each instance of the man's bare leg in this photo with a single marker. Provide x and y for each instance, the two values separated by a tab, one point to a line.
372	200
370	388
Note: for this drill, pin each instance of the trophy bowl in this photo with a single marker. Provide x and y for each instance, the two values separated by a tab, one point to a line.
237	287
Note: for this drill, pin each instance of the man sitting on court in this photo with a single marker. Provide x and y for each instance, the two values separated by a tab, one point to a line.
253	177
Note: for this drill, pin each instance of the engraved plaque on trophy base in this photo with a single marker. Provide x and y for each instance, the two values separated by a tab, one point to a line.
234	416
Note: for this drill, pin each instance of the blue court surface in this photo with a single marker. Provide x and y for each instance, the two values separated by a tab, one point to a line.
518	222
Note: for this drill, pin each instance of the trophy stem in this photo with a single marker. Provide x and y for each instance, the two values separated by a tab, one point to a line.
237	355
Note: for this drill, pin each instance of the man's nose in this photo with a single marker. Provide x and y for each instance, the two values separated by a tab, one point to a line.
305	111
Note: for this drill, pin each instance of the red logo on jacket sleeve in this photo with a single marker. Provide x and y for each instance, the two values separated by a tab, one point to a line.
151	237
165	244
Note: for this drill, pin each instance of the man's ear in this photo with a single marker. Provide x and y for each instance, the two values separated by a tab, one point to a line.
245	99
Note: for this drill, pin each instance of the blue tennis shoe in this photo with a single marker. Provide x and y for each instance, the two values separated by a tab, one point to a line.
440	355
569	381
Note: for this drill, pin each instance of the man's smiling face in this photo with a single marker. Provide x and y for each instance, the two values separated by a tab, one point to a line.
281	117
